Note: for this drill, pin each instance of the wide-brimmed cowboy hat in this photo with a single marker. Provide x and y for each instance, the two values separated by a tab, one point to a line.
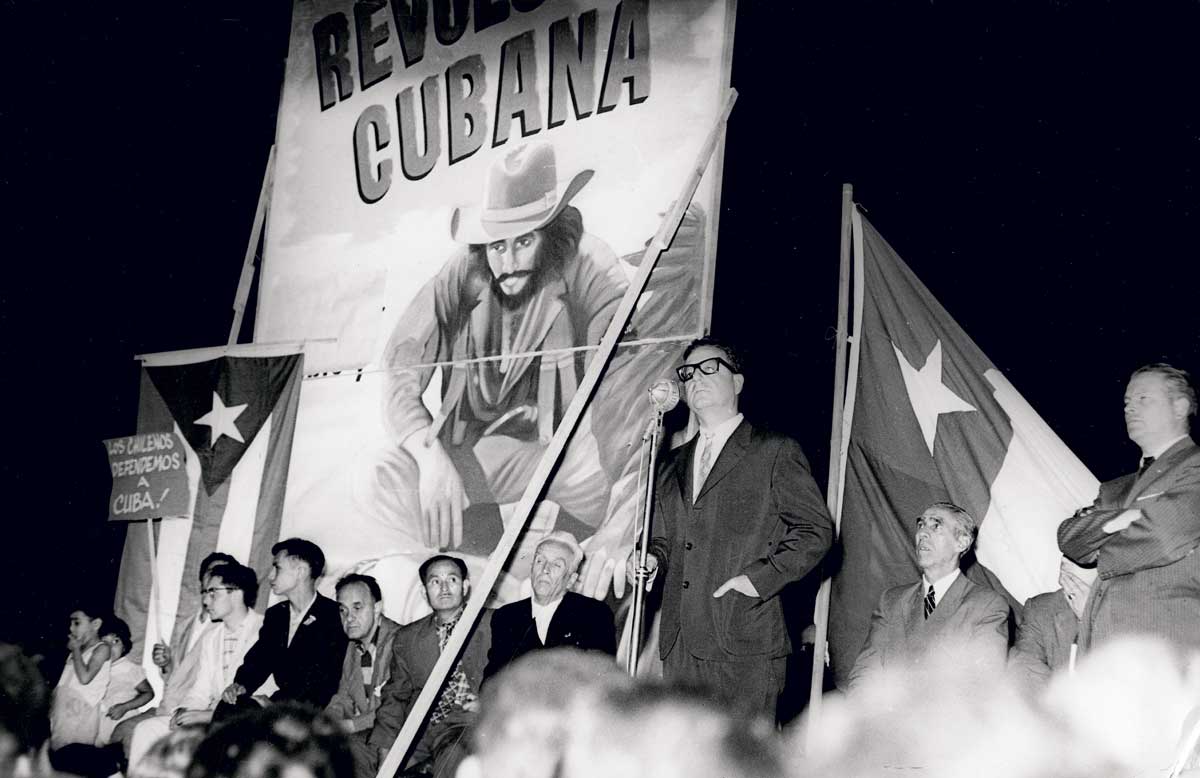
522	194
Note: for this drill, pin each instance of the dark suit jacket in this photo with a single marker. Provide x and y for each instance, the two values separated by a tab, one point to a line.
970	617
351	701
414	653
759	513
1048	628
309	669
1149	573
579	621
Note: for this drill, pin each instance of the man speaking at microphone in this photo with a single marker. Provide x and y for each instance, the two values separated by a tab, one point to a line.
737	517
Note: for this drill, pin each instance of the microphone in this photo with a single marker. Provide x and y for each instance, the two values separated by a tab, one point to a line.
664	395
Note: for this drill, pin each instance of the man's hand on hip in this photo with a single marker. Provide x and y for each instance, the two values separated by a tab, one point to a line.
739	583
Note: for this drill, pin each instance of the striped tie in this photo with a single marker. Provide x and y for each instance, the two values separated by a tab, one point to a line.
929	601
705	461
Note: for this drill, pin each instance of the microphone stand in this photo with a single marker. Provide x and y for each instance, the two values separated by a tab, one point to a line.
641	574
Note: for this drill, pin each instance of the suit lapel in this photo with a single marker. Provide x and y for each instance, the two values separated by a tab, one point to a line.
731	455
684	469
1144	483
949	602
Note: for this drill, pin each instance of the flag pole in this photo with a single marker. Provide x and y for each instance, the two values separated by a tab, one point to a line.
832	495
566	427
153	582
243	289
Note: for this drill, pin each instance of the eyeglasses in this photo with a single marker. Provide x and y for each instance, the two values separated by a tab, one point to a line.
215	589
707	366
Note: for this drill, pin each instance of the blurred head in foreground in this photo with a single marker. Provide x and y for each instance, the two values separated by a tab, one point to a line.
1122	713
653	729
524	722
24	707
288	740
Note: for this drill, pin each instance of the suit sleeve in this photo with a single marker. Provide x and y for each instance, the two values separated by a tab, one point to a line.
870	659
808	530
341	706
397	697
603	629
1029	661
989	639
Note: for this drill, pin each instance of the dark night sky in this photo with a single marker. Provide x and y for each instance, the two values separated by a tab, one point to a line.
1034	163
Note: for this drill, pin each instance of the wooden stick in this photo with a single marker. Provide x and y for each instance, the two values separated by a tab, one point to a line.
832	497
566	427
243	289
153	583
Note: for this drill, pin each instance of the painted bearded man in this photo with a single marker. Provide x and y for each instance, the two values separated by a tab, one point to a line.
509	310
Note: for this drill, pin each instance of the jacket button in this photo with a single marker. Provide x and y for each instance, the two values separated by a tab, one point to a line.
686	584
688	545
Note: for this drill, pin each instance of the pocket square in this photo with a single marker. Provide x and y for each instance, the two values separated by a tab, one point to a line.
309	620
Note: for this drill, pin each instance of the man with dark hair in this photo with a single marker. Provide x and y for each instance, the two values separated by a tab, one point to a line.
553	615
944	614
229	591
737	517
301	642
1143	529
177	662
281	740
414	653
366	668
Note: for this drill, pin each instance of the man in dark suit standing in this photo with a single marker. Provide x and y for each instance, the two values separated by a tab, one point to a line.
301	642
738	516
553	616
944	615
414	653
1050	627
1143	528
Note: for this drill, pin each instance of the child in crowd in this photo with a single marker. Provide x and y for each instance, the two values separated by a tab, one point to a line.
75	710
128	688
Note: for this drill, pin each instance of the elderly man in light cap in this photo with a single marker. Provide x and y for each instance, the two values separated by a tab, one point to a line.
552	616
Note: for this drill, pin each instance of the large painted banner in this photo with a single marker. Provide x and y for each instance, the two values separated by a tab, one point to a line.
462	192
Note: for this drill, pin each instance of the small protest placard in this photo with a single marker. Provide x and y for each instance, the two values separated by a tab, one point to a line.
149	473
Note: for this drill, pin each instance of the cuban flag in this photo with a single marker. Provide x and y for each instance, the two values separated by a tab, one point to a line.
237	415
934	420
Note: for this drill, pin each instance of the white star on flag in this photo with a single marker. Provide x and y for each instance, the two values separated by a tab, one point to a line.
221	418
928	395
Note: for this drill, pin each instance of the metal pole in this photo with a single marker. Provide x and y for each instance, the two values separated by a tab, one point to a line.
641	575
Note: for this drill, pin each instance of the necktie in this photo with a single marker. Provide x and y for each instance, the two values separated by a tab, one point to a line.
364	661
1146	462
705	461
930	604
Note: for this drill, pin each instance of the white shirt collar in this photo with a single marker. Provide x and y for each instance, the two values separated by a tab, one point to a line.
940	586
543	615
1163	448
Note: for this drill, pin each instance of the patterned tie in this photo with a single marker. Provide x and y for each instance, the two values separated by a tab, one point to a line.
930	604
705	461
458	688
1146	462
364	661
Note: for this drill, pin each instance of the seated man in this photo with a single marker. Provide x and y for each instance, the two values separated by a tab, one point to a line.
366	668
943	611
415	652
301	641
553	616
1050	627
227	596
177	662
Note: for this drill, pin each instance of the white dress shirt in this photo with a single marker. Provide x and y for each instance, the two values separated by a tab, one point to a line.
940	586
543	615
